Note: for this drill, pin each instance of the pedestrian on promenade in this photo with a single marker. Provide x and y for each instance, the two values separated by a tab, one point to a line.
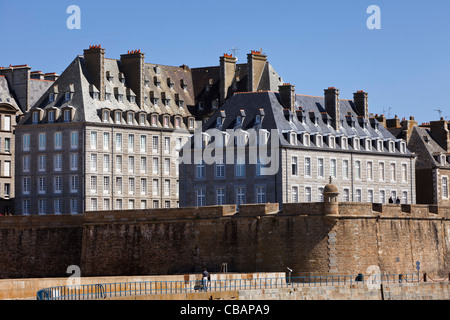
205	278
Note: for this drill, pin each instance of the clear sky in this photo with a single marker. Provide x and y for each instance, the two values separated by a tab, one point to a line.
404	66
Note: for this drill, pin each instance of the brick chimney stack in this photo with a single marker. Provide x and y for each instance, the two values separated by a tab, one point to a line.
439	130
332	106
287	95
94	58
361	101
132	66
256	62
227	73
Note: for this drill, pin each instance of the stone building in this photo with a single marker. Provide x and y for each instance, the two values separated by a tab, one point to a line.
104	136
318	137
431	142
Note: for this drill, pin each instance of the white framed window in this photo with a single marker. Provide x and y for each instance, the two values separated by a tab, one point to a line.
382	197
155	165
155	144
42	185
106	163
143	186
7	168
370	198
67	115
26	164
166	145
119	204
130	204
26	206
57	162
404	172
42	163
358	195
308	194
220	196
26	185
369	170
118	142
73	184
167	166
131	185
294	194
131	143
393	172
320	168
93	140
42	206
201	197
307	167
42	141
240	196
106	185
93	206
346	195
220	168
74	161
35	117
358	169
74	140
131	164
333	168
119	187
445	192
155	187
144	165
93	162
58	140
260	194
167	187
106	141
381	171
57	184
240	167
345	169
200	170
106	204
143	143
26	142
57	206
7	123
320	197
94	184
119	164
73	205
294	166
404	197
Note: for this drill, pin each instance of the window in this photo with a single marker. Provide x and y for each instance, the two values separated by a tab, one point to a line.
331	142
7	145
143	143
74	184
106	163
260	194
166	121
404	172
358	169
345	171
307	167
201	197
105	116
240	167
370	196
333	169
200	170
93	184
106	185
155	165
369	170
294	166
106	204
26	185
142	118
220	196
155	187
51	97
118	116
405	197
94	204
119	164
155	204
67	115
240	196
74	161
130	114
445	193
26	142
26	164
131	143
144	165
130	204
106	141
7	123
166	166
358	195
130	185
26	206
73	206
41	163
166	145
220	168
94	162
294	194
167	187
93	140
154	120
143	186
155	145
320	197
131	164
42	141
308	196
118	142
42	185
119	185
42	206
381	171
57	162
119	205
382	196
57	206
320	168
393	172
74	140
7	168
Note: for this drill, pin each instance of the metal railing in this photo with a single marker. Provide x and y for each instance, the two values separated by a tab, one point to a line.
123	289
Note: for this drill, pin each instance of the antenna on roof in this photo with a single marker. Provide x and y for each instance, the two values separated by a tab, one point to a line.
389	112
440	112
234	49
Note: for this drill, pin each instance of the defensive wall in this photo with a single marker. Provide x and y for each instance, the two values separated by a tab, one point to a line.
257	238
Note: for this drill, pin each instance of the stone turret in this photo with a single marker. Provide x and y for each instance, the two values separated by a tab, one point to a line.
331	203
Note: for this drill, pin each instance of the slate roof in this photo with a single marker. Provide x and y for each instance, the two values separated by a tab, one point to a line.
423	144
87	109
276	116
6	97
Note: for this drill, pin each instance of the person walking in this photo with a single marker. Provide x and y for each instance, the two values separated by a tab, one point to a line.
205	277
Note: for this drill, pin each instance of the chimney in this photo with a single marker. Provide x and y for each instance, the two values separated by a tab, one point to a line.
287	95
381	119
18	78
408	126
227	72
393	123
360	99
256	61
51	76
332	106
94	58
439	130
38	75
132	66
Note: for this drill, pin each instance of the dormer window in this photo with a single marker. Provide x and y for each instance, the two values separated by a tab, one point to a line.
403	149
67	115
344	143
132	99
157	69
200	106
293	138
391	146
331	142
142	119
442	159
380	145
258	119
154	120
118	117
305	139
177	122
356	143
130	117
95	95
121	78
51	97
109	76
120	97
368	145
157	82
170	84
238	120
319	141
108	96
218	121
105	115
67	96
51	116
183	85
191	123
215	104
166	121
146	82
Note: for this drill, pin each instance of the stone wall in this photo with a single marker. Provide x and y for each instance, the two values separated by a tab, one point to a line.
258	238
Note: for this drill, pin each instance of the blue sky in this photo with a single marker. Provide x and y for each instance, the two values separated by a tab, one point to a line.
404	66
